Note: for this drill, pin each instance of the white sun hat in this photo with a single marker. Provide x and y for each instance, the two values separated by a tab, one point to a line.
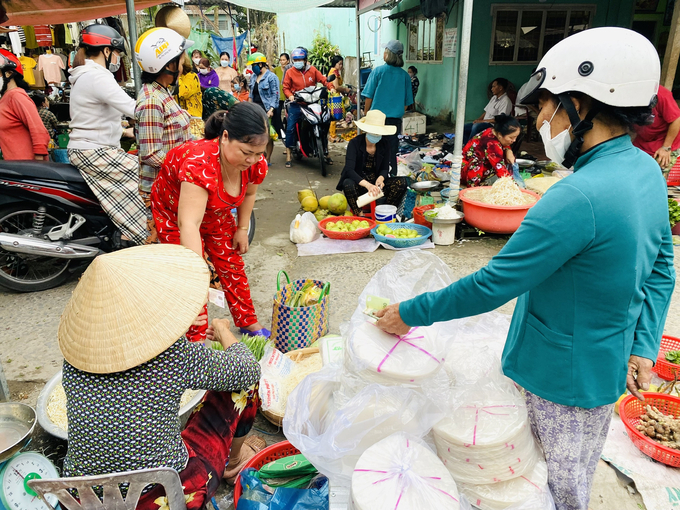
374	122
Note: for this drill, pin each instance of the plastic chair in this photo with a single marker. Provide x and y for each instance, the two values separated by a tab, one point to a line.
371	215
113	500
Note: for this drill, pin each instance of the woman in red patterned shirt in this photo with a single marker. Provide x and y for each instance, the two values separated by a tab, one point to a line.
197	187
488	156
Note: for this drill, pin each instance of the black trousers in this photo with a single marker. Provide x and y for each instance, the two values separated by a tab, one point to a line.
393	142
278	122
394	190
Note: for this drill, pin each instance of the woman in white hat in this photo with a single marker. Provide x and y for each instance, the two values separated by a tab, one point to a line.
367	164
127	365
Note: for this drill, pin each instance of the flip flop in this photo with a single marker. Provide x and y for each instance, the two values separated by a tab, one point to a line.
254	443
289	164
329	161
260	332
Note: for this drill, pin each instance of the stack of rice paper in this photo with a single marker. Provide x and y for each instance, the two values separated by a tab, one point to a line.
402	473
379	357
531	486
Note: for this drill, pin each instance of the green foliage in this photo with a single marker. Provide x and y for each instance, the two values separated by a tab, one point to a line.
673	212
321	53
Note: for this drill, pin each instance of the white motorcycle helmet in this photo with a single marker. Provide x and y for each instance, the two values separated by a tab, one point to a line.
615	66
156	47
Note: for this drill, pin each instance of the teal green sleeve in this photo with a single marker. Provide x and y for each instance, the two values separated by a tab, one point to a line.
557	228
658	290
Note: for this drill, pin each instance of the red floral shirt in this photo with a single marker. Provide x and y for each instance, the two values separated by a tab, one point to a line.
199	163
483	156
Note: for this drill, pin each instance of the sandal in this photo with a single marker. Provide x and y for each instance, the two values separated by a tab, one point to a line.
260	332
328	161
253	443
289	164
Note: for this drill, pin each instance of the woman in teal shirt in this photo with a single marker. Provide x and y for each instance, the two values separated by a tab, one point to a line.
591	264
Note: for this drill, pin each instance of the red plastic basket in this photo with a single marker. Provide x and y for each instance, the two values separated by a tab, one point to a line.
350	236
419	215
665	369
674	175
269	454
630	411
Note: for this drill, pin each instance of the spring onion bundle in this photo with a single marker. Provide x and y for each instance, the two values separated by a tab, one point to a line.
256	345
308	295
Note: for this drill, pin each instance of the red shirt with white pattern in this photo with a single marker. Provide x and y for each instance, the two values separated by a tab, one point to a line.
199	163
483	156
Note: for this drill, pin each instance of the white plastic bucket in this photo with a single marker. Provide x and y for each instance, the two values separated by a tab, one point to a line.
385	213
443	233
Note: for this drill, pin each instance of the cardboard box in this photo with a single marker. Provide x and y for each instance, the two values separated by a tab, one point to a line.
413	124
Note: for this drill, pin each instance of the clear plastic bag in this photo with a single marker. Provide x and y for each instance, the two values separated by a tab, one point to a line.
401	471
414	161
304	229
332	425
416	357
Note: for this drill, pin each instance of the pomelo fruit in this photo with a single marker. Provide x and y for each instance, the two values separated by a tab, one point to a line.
337	204
323	202
309	204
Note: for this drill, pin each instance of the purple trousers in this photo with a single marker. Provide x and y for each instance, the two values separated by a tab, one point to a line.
572	439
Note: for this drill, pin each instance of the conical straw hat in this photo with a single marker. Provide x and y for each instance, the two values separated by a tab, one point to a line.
172	16
131	305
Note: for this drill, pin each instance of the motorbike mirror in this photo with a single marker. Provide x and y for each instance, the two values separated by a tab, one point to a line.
331	78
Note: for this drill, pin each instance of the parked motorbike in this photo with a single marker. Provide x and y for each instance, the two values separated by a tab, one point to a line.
312	128
51	225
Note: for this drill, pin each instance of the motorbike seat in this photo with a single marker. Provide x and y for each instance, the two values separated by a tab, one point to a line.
41	170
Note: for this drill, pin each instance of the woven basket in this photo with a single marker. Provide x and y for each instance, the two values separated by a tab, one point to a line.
350	236
297	355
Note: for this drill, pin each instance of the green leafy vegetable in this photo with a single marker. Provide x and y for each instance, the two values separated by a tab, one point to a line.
256	345
673	212
673	357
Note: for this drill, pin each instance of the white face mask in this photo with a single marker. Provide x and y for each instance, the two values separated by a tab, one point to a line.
555	148
203	71
224	63
197	60
114	67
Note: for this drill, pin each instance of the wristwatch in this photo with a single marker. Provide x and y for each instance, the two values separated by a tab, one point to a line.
667	149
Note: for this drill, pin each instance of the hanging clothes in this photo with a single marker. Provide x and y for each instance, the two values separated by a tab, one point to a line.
68	41
14	39
31	41
22	35
28	64
43	34
51	66
59	36
75	33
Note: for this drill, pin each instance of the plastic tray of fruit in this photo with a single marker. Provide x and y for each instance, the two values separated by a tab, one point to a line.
401	235
350	228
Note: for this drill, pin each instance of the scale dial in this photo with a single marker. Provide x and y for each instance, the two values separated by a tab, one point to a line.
14	476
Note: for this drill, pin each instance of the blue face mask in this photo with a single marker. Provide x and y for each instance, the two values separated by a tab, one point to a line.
373	138
256	69
299	64
237	87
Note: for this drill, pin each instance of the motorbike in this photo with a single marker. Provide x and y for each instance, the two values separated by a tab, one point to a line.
51	225
312	128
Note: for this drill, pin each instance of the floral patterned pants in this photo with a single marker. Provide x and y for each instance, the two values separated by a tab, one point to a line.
231	271
214	423
572	439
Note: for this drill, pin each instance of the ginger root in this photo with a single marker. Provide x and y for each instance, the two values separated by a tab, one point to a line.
662	428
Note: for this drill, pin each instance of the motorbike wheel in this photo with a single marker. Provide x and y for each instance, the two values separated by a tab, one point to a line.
322	158
29	273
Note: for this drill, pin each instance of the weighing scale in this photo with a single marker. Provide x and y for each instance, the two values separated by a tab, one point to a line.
15	494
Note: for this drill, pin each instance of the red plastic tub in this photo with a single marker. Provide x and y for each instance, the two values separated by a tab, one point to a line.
666	369
269	454
494	219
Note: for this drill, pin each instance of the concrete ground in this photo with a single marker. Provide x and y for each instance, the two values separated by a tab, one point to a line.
30	355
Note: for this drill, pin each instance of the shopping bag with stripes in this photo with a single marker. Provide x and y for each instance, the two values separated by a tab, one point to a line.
294	326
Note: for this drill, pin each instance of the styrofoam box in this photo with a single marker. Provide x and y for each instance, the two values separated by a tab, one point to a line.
413	124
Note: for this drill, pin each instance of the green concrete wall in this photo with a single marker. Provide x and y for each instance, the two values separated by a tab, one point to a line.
338	25
437	88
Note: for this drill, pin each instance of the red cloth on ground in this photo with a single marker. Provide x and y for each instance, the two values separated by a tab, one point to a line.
483	156
208	437
22	132
651	138
198	163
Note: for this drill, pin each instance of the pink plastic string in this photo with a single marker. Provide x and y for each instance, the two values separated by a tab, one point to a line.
407	339
532	483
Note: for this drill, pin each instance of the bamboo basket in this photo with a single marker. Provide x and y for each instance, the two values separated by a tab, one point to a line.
296	355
